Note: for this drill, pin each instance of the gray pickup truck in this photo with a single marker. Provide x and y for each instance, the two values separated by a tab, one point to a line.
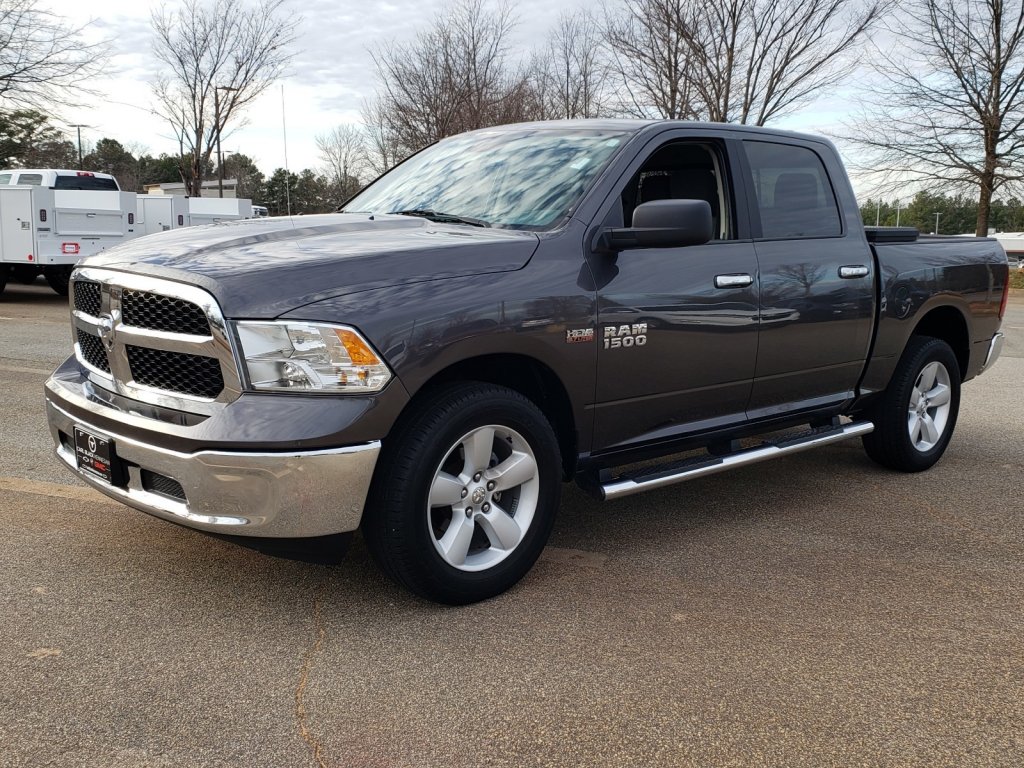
625	304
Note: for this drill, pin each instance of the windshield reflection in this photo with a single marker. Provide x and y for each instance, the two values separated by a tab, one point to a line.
527	179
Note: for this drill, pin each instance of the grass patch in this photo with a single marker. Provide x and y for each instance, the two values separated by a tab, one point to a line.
1017	278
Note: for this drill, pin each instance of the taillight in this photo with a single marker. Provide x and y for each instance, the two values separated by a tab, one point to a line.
131	218
181	220
69	248
1006	296
42	214
85	173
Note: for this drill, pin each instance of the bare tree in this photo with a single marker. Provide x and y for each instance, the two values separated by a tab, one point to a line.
571	74
743	61
949	108
343	153
44	61
452	77
384	147
219	57
650	48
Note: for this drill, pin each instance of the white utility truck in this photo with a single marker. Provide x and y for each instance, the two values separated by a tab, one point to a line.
49	219
49	230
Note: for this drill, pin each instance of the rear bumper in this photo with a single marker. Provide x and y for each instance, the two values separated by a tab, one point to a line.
995	348
283	493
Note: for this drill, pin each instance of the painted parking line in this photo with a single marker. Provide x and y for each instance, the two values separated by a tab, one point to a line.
24	369
54	490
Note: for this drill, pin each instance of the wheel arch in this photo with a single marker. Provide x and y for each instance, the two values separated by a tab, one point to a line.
948	323
526	375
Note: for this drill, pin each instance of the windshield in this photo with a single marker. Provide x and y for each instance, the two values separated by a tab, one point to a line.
526	179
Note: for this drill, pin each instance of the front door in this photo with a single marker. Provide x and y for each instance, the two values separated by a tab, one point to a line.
677	327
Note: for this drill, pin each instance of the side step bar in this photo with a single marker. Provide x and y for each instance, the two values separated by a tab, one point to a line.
648	479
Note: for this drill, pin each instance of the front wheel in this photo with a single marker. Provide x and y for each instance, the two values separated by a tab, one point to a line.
915	418
466	494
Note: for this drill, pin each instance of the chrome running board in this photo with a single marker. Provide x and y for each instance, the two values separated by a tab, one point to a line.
649	478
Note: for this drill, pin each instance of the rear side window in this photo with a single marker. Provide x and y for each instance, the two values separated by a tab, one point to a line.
84	182
5	178
33	179
794	194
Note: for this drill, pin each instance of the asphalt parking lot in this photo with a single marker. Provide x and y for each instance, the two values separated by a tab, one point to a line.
817	611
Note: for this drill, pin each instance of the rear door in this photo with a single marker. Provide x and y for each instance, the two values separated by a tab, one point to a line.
677	343
816	305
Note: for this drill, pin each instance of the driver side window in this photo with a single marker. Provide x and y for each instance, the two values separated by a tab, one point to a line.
682	171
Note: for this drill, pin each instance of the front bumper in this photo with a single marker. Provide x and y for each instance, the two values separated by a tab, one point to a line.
284	493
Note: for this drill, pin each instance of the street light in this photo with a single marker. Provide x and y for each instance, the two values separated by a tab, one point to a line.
937	214
216	122
80	126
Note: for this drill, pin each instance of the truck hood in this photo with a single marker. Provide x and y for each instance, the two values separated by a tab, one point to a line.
261	268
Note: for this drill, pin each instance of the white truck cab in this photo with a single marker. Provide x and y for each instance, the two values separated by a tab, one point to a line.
60	179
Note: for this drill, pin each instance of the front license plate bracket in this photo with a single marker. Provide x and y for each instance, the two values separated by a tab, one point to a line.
96	456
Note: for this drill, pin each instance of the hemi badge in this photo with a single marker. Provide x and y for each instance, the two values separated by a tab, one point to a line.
579	335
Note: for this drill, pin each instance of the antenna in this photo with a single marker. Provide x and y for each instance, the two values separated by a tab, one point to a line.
287	173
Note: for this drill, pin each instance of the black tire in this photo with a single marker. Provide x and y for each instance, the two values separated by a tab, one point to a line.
4	272
891	444
406	534
58	278
24	274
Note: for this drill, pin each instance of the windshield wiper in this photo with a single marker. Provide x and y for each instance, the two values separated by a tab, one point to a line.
442	218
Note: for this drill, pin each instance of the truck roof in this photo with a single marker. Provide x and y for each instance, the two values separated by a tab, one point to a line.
635	125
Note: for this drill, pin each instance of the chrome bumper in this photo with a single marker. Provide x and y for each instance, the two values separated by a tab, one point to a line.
299	494
995	348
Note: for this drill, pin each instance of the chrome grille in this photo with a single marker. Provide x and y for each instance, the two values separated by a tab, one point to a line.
87	297
154	340
92	351
175	371
163	313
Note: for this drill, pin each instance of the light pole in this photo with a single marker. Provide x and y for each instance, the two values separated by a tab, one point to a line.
937	214
79	127
897	212
216	124
878	211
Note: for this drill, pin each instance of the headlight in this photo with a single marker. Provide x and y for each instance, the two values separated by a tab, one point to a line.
291	356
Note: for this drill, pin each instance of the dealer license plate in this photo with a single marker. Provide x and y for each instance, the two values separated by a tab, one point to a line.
94	455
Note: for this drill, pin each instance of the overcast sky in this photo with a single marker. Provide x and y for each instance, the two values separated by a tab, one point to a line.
328	81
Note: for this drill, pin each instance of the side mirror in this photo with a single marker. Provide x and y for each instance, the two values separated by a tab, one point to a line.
663	224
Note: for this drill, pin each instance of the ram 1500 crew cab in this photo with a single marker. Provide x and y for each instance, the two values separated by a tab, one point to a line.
505	310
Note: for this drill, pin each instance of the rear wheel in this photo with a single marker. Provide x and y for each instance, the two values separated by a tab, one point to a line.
58	278
466	494
915	419
4	274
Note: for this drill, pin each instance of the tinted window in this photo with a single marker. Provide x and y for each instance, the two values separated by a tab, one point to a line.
680	171
35	179
794	194
84	182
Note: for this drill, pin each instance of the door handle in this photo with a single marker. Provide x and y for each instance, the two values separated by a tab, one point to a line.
852	271
733	281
